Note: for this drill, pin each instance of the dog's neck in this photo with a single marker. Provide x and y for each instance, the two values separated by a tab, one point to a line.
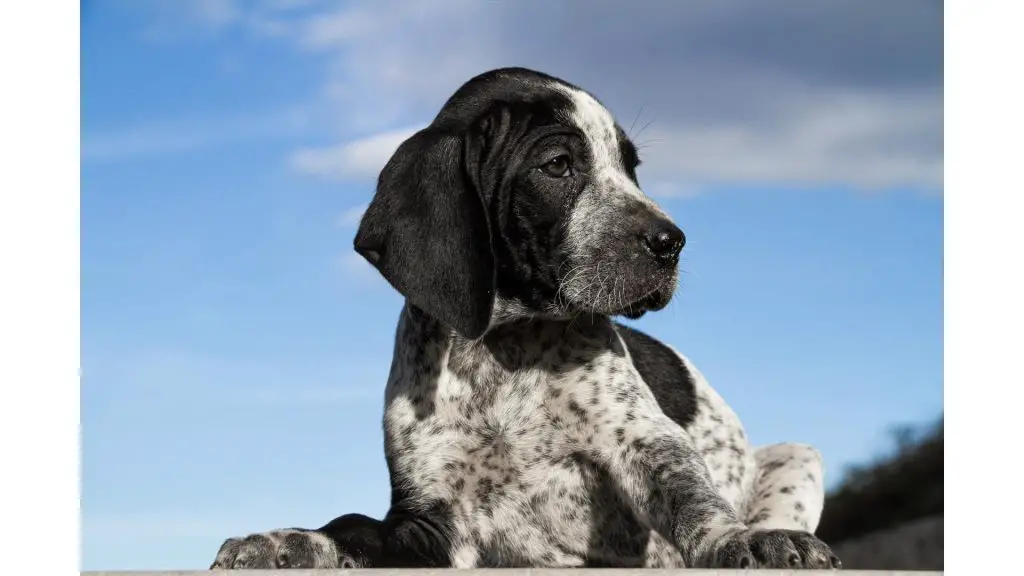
507	310
512	344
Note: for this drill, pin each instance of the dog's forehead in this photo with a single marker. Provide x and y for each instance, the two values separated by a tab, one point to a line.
596	123
578	108
566	102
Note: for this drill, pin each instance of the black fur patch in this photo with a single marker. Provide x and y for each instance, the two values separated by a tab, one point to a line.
665	374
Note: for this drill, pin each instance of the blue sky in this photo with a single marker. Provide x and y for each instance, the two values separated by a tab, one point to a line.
234	351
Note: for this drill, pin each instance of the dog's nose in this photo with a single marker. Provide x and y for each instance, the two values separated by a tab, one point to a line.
665	241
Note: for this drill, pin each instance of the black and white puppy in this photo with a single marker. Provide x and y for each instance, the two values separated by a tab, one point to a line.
524	427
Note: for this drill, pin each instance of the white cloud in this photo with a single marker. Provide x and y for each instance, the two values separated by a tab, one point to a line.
331	28
787	93
170	20
357	159
187	134
829	140
817	139
214	12
727	110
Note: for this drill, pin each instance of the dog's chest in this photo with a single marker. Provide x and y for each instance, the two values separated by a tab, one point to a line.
493	436
508	449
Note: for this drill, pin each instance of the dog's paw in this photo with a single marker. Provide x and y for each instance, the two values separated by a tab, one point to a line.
755	548
280	549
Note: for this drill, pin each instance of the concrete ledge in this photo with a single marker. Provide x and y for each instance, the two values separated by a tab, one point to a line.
912	545
512	572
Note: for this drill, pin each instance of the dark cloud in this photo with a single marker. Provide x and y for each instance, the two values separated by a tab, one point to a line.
711	47
803	92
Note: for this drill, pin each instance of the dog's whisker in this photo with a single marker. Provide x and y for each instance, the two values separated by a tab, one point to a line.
644	128
647	143
631	126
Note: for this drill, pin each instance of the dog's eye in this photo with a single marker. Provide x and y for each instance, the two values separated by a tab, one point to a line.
557	167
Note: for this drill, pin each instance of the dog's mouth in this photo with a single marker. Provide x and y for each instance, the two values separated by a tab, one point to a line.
624	293
652	302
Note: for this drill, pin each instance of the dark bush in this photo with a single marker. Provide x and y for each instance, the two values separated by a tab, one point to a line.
905	486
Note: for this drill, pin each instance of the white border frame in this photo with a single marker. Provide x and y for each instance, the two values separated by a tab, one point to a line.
983	228
39	286
39	295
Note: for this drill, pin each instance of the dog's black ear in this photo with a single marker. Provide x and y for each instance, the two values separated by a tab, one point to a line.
426	231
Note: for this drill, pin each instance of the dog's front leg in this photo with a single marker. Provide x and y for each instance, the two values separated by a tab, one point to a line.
401	540
668	484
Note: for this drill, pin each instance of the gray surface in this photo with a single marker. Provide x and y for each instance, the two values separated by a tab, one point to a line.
507	572
916	545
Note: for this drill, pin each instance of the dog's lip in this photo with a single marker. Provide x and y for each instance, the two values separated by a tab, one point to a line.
636	308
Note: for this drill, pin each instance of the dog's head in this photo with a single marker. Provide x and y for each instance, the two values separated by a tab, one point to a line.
520	199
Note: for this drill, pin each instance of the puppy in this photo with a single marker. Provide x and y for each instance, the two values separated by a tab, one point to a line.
523	426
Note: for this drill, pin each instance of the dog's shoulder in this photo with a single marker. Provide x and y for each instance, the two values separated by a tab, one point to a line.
666	372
